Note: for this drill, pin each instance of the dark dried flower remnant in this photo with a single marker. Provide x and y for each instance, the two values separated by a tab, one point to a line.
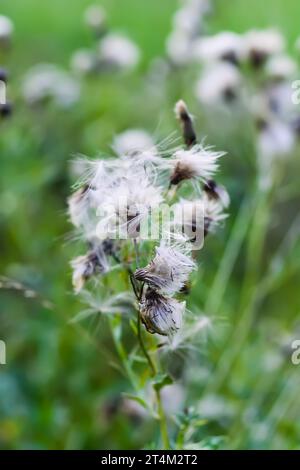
161	315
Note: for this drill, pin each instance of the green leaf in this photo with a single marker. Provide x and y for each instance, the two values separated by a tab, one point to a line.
161	381
83	315
136	398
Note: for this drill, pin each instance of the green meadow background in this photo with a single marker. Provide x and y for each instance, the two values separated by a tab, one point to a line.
60	378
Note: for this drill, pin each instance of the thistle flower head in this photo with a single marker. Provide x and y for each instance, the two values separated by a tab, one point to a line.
118	51
129	199
213	213
227	46
133	141
189	221
79	208
217	192
219	83
6	29
275	139
159	314
198	162
83	61
261	44
168	271
188	19
95	17
86	266
280	67
47	81
179	48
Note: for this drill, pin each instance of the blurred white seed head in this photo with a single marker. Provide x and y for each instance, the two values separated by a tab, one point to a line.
118	51
280	67
95	17
133	141
261	44
179	48
47	81
226	46
6	29
275	139
168	271
161	315
219	83
83	61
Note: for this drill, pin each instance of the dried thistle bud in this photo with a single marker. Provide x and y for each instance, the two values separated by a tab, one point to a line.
86	266
217	192
161	315
186	122
198	162
168	271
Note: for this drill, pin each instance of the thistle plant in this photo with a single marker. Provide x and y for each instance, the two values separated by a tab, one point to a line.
143	279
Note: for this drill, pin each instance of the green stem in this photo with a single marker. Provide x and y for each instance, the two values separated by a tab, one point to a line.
143	347
160	409
163	422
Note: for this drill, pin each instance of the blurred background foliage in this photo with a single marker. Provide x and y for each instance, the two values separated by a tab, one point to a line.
61	379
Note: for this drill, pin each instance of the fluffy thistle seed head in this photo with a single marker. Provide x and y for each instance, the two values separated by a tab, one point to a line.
261	44
47	81
213	213
168	271
161	315
219	83
198	162
95	18
227	46
118	51
132	142
83	61
217	192
280	67
86	266
6	29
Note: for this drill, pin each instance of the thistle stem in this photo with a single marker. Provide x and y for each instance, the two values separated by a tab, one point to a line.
160	409
143	347
163	422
